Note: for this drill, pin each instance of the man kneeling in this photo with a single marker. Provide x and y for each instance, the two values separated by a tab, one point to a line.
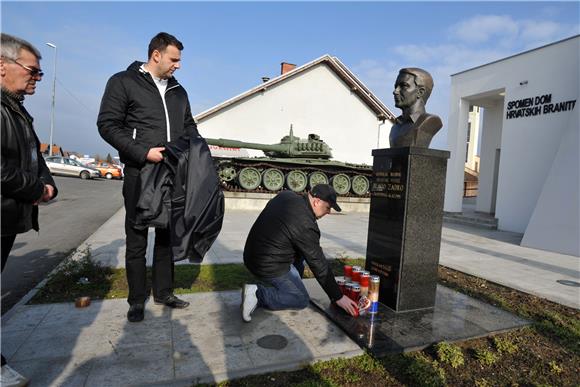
284	235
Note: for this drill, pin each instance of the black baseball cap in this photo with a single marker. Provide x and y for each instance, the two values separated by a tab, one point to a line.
327	193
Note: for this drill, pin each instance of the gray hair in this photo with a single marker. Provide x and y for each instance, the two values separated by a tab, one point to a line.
11	46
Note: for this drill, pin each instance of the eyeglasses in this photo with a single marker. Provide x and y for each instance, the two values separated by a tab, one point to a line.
34	72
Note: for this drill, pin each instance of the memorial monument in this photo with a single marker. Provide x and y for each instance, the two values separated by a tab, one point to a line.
404	238
406	211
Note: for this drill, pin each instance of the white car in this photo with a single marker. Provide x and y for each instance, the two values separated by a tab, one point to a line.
68	167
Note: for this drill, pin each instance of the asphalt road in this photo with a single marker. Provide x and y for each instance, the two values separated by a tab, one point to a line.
81	207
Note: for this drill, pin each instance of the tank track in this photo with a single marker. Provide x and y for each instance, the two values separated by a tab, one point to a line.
330	171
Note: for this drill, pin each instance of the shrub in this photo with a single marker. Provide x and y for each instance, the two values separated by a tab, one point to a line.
485	356
555	368
504	345
425	372
450	354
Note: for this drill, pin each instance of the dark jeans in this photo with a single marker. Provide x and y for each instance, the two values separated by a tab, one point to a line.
136	247
284	292
7	243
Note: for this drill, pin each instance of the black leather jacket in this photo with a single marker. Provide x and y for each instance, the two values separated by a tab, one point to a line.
24	172
132	116
285	230
182	193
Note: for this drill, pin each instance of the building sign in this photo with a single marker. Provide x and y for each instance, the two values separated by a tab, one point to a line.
535	106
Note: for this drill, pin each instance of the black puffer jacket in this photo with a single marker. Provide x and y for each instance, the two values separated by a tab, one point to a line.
132	116
287	229
24	172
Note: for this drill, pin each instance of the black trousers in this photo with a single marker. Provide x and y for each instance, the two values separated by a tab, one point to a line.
7	243
136	247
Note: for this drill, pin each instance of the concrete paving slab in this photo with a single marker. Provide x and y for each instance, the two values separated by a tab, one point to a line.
132	366
206	342
63	372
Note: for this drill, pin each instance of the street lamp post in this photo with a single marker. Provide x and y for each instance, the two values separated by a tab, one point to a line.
53	97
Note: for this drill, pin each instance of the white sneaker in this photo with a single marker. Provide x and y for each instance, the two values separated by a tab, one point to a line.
10	378
249	301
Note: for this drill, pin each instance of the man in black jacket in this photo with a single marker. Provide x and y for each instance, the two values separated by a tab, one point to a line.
284	235
143	108
26	180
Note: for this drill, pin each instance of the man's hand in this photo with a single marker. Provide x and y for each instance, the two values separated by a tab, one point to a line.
155	155
349	305
48	193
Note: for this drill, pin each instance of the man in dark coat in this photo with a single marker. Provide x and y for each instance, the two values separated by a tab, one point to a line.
26	180
142	109
284	235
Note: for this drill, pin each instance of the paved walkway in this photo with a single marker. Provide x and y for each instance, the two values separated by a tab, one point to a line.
490	254
60	345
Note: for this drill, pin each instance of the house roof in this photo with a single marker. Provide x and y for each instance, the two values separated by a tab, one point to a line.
355	85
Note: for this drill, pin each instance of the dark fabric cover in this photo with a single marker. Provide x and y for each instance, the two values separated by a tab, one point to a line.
286	230
182	193
24	172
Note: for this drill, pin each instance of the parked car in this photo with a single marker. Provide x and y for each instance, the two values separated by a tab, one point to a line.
68	167
108	170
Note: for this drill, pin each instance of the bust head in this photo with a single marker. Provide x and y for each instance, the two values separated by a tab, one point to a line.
412	85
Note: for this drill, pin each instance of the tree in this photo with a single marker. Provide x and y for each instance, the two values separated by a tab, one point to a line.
109	158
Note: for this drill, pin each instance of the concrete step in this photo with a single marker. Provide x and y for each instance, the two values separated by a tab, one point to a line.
481	221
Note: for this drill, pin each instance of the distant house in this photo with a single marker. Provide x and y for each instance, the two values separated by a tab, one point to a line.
323	97
56	150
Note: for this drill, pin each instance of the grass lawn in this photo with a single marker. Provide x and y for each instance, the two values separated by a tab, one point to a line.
544	354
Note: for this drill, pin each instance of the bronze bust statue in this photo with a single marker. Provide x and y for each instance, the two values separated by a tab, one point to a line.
414	127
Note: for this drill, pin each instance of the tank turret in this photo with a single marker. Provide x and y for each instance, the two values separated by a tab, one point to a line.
293	163
288	147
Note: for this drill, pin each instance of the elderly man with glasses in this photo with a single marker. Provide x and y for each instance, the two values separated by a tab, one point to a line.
26	180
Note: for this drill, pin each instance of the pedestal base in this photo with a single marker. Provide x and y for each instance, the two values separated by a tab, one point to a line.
454	317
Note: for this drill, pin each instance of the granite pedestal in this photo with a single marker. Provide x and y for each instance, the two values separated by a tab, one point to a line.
405	221
454	317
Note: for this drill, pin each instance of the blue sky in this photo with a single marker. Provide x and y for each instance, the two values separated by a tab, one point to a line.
229	46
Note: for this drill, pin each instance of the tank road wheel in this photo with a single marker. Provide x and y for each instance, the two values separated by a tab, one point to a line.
249	178
360	185
340	183
227	172
273	179
296	180
316	178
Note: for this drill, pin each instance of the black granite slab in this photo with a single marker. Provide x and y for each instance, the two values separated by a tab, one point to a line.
405	222
454	317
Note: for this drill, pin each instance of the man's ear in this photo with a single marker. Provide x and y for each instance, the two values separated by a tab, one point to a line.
156	55
2	67
421	92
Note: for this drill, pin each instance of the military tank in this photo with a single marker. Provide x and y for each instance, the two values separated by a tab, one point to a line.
293	163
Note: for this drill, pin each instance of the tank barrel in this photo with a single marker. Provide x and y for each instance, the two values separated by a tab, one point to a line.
248	145
289	147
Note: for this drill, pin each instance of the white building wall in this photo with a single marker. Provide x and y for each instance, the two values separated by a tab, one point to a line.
490	141
456	139
529	145
315	101
555	222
